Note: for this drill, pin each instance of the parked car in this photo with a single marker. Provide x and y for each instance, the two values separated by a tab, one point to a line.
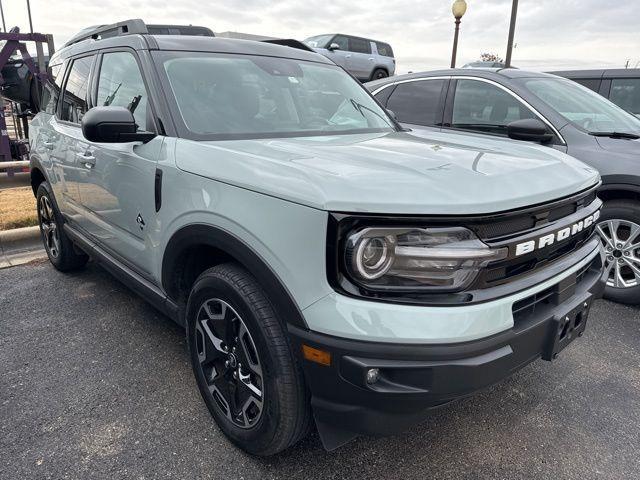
621	86
547	110
19	85
365	59
320	258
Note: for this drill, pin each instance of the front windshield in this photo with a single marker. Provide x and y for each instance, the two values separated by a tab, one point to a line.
583	107
319	41
243	96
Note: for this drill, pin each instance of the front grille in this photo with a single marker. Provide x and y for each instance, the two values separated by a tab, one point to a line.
519	222
556	217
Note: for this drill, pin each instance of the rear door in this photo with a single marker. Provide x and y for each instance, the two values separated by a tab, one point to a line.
420	103
118	195
44	137
67	136
361	61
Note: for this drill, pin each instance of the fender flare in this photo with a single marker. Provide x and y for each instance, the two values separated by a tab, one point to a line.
629	188
201	234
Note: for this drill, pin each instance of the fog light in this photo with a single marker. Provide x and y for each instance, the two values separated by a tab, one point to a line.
373	375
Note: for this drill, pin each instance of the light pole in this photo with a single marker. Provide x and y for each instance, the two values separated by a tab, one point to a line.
458	8
512	29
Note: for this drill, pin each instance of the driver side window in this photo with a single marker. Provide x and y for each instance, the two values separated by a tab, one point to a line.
342	41
483	107
120	84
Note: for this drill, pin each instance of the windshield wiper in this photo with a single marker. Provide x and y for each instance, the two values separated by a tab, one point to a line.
631	136
360	107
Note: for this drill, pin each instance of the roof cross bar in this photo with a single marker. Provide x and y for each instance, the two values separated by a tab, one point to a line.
126	27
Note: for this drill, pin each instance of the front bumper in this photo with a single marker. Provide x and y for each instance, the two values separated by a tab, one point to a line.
417	377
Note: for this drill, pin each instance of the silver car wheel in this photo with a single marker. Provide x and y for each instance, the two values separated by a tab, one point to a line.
230	363
621	240
49	227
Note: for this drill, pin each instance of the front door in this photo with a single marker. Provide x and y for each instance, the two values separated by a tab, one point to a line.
341	55
118	196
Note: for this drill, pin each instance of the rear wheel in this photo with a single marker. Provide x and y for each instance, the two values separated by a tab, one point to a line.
246	372
619	230
379	73
60	249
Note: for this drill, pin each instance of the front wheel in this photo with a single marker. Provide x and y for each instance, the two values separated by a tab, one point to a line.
246	371
619	230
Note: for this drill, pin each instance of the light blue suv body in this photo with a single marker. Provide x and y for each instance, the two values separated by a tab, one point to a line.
321	258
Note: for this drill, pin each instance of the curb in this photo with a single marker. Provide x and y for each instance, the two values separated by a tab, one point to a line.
19	246
19	235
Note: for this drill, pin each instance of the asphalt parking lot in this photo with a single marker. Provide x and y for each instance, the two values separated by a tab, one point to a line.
94	383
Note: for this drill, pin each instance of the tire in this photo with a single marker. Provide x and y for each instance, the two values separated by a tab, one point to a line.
231	321
621	216
379	73
59	247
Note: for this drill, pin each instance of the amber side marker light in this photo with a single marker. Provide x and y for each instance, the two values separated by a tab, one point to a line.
316	355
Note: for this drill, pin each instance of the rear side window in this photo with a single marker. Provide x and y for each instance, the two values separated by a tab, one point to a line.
359	45
417	102
384	49
120	84
625	92
74	99
51	89
590	83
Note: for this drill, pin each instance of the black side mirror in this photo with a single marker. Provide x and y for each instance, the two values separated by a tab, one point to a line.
529	129
112	125
333	46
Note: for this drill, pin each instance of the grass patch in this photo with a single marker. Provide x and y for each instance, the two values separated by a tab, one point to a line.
17	208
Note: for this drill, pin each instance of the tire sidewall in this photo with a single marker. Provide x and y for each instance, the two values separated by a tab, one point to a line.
622	210
45	190
258	437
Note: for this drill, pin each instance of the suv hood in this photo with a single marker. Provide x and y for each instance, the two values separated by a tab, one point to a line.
445	174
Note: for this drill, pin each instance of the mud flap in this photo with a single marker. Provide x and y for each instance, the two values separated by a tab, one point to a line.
331	436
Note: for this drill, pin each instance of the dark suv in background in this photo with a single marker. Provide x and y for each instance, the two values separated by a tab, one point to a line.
621	86
548	110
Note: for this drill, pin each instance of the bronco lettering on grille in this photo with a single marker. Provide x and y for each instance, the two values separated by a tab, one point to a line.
557	236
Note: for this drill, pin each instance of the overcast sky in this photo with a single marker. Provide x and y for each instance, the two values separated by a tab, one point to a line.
550	34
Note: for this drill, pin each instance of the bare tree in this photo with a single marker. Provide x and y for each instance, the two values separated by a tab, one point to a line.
491	57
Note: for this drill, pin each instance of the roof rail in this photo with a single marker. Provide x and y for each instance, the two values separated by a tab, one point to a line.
137	26
192	30
290	42
126	27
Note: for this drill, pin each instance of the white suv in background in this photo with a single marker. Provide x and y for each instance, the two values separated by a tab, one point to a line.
365	59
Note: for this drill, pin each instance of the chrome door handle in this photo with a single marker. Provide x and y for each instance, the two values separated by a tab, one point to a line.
48	145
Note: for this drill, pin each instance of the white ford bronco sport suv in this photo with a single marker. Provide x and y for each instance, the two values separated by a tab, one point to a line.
328	267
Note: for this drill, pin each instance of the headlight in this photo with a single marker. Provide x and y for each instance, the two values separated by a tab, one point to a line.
438	259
